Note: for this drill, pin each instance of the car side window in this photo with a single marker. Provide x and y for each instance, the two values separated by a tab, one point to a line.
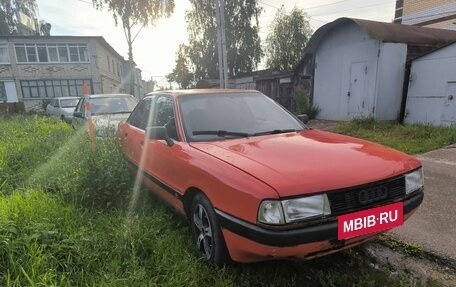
80	106
164	116
142	114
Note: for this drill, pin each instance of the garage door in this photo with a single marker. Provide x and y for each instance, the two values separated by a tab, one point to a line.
449	105
356	94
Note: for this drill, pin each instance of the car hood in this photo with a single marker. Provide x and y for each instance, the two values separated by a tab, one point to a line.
109	121
310	161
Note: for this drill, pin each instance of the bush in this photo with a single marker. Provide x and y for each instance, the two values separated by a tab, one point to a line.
303	105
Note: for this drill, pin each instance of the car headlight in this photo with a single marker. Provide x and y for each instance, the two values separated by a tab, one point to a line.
292	210
306	207
414	181
271	212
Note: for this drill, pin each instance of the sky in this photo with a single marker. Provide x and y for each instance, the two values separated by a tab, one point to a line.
155	47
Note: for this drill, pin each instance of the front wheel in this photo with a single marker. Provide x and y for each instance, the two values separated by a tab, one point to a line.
206	232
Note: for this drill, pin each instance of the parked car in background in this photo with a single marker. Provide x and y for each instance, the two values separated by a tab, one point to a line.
62	107
107	110
257	184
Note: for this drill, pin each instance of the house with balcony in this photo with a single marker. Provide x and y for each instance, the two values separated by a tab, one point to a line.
36	68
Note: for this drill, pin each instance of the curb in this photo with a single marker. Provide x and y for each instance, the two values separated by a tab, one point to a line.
400	245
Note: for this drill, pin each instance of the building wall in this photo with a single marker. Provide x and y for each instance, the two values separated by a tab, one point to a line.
36	80
436	13
343	50
126	78
433	81
109	76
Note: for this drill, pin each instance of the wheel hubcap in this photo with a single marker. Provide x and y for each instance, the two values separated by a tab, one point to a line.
203	231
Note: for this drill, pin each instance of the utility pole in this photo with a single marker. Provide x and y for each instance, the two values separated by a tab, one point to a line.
221	43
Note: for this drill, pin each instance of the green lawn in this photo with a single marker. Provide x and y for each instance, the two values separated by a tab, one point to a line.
411	139
66	219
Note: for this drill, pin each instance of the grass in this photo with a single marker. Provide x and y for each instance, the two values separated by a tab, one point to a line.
411	139
64	221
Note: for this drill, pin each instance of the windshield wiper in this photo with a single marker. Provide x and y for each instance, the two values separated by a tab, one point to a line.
221	133
272	132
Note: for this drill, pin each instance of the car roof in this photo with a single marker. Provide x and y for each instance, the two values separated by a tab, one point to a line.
189	92
110	96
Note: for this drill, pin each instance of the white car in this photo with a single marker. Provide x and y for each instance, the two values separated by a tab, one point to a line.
107	110
62	107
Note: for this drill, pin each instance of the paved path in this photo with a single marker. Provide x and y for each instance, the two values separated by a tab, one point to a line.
433	226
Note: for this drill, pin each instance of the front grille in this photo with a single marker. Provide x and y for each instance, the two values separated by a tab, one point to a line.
365	196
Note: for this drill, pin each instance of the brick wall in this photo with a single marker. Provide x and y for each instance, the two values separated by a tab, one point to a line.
413	6
426	13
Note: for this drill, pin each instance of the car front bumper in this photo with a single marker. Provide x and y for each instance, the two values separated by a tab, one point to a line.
248	242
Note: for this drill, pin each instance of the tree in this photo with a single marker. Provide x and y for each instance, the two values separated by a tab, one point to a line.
242	40
287	39
181	73
132	13
8	18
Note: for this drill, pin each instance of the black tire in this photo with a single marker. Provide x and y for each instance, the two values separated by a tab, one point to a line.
206	232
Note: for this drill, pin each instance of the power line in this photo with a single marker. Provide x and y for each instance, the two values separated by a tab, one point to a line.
267	4
349	10
325	5
87	2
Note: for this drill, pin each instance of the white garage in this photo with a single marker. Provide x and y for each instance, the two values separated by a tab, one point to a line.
431	95
359	67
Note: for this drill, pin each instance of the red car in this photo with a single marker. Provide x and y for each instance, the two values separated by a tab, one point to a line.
257	184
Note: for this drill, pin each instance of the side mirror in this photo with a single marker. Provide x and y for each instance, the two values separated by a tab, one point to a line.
159	133
303	118
77	114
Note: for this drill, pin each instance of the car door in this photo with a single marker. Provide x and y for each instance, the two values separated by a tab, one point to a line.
162	167
80	108
132	132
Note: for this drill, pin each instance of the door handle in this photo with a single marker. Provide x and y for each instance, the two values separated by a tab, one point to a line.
348	94
450	97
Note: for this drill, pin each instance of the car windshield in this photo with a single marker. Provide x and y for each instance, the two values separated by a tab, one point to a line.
112	105
209	117
69	103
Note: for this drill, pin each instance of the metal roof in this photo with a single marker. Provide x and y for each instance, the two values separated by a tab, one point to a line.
385	32
398	33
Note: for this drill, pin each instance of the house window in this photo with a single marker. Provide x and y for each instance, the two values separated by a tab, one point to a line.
53	54
109	63
31	53
74	53
63	53
54	88
4	56
113	67
44	53
83	54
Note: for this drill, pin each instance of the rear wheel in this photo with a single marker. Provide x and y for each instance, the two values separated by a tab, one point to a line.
206	232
